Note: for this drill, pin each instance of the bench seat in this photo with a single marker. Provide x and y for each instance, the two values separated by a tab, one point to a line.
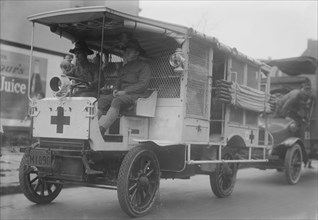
143	107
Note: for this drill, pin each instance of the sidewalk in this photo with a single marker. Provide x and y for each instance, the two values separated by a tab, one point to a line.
9	170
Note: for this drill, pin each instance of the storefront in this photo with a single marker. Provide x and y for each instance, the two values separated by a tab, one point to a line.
15	42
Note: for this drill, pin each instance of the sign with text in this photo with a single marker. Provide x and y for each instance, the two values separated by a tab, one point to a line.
14	77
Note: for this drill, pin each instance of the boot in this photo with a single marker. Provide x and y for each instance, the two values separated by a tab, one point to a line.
102	130
109	119
88	170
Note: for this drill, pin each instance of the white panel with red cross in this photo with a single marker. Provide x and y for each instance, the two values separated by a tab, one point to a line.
66	118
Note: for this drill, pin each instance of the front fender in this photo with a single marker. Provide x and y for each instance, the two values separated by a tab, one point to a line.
288	143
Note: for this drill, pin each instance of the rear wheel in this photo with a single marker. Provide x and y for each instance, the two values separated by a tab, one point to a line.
34	187
223	179
138	181
293	162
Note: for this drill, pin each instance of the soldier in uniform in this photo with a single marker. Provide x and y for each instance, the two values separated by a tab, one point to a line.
85	70
295	103
133	80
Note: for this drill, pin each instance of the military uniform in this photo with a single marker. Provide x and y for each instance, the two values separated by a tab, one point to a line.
133	78
86	71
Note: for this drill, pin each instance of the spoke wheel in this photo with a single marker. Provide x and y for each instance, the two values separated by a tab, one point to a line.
36	188
293	162
138	181
223	179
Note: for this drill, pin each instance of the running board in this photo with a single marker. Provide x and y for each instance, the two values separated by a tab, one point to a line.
249	159
224	161
83	184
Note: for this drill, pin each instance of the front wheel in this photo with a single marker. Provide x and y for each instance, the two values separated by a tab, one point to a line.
138	181
223	179
34	187
293	162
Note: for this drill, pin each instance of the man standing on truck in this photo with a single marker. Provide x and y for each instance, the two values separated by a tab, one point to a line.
133	80
295	104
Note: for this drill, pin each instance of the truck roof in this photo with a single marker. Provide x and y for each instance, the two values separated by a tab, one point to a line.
86	22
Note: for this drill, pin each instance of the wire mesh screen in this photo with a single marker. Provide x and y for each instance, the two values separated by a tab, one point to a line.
197	86
252	77
164	79
252	80
236	114
238	68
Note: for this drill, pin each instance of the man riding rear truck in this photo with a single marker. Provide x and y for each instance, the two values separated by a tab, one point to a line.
295	104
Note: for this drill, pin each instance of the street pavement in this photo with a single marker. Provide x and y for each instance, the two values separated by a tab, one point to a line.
257	195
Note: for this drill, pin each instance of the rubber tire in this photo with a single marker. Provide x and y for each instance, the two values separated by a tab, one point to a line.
218	176
123	184
293	164
28	188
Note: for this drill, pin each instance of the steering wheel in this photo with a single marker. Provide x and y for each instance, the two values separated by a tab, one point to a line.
80	82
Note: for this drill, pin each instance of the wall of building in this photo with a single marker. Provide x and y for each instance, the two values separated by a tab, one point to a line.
15	26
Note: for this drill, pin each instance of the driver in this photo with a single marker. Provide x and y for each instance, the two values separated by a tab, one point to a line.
85	70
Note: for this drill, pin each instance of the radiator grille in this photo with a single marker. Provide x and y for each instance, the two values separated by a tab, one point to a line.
63	144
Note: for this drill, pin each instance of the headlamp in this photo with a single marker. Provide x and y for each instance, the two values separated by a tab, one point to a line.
177	60
293	127
60	85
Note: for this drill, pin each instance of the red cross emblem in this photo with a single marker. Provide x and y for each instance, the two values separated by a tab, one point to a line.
60	120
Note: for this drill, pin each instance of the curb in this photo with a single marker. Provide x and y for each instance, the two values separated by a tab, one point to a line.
15	189
6	190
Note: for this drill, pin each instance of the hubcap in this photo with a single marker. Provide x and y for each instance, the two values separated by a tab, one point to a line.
143	181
